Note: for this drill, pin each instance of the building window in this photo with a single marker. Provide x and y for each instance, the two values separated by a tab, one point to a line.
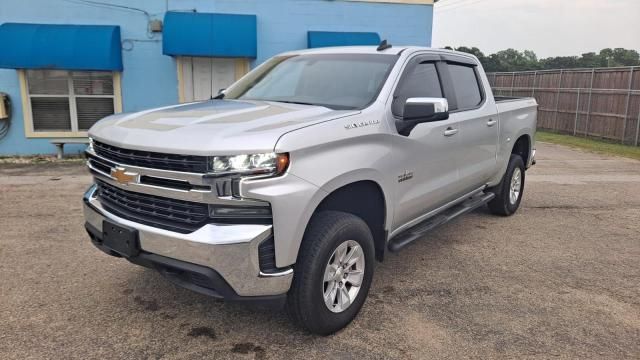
68	103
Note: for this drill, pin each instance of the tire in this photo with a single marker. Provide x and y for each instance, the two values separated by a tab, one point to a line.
503	204
327	231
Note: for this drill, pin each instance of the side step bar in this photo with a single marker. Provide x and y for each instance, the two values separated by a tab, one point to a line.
405	238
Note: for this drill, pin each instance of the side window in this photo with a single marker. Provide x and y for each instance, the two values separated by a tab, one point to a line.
466	86
419	81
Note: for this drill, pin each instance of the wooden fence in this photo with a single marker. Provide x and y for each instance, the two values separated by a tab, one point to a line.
601	103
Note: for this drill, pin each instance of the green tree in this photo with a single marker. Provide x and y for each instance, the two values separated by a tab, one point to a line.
514	60
624	57
560	62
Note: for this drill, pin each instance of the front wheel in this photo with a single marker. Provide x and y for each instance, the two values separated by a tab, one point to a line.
333	272
509	191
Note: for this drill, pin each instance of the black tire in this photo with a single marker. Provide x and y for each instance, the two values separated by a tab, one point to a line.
501	204
305	300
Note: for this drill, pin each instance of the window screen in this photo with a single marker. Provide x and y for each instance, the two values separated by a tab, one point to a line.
51	113
69	101
466	85
420	81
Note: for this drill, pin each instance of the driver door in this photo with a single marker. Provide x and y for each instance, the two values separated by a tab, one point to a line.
426	161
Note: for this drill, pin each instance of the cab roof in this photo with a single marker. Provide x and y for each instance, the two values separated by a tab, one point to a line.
394	50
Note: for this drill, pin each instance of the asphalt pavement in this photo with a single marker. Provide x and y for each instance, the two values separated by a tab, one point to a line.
561	278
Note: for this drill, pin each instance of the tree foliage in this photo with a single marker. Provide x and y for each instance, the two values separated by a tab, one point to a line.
515	60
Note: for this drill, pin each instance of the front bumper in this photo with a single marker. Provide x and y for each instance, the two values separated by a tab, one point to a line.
227	255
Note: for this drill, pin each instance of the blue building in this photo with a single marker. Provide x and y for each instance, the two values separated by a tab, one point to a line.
65	64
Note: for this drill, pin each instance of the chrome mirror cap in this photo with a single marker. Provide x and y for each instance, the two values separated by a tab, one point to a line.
440	105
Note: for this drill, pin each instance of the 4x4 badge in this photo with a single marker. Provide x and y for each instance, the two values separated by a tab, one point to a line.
408	175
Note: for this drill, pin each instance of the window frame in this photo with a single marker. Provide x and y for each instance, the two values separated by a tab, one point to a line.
27	113
408	69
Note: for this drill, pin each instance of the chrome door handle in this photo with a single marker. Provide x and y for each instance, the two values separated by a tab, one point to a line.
491	122
450	132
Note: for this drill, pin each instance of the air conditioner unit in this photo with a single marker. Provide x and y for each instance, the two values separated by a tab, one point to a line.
4	106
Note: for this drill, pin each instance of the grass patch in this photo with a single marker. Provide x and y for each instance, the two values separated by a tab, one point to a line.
598	146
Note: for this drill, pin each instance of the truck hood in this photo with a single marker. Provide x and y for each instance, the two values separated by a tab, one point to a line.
222	127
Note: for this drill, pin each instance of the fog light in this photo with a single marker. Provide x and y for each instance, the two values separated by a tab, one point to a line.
254	212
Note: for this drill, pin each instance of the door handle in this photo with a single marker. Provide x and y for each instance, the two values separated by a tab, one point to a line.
450	131
491	122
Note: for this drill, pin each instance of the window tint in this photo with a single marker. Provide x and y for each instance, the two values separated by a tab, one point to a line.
421	81
466	85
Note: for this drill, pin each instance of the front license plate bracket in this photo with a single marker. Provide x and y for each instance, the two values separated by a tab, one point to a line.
121	239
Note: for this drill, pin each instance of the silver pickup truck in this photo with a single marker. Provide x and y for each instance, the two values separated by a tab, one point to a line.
291	183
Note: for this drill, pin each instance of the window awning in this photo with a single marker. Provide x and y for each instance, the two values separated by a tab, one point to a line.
70	47
316	39
205	34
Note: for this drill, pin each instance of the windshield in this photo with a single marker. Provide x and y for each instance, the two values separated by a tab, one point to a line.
337	81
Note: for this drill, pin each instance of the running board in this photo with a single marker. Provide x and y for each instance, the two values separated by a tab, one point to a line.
414	233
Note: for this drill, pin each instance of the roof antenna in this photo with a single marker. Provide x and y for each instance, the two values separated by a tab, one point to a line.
383	46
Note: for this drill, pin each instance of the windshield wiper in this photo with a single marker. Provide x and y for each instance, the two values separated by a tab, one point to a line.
294	102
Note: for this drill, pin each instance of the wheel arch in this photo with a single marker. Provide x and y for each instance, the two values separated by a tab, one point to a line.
363	198
522	147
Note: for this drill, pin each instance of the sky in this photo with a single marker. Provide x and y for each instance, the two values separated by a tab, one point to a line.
548	27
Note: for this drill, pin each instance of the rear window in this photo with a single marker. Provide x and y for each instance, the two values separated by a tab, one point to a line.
467	88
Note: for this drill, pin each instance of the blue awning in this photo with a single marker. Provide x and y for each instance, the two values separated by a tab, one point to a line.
216	35
71	47
316	39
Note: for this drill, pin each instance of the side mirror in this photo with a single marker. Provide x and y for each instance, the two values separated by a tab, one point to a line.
421	110
426	109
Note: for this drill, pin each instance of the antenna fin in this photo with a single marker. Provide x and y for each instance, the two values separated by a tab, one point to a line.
383	45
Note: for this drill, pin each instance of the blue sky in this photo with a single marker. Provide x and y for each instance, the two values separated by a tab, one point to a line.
548	27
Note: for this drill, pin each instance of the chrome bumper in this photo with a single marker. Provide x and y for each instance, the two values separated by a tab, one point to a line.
229	250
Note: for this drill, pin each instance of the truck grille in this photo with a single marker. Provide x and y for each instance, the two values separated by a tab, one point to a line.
169	214
154	160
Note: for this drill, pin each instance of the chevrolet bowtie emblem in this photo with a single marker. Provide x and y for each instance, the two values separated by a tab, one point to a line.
123	177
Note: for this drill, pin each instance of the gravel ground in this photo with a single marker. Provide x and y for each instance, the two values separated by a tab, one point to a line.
561	278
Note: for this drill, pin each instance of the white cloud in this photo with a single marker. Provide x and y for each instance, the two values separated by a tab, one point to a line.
548	27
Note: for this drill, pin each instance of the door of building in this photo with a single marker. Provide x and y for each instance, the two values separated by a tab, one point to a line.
201	78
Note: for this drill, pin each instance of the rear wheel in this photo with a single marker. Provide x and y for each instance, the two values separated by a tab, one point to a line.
509	191
333	272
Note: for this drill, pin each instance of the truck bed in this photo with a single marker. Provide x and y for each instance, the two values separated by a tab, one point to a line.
508	104
499	99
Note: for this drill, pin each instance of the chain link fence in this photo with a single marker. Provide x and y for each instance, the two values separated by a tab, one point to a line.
601	103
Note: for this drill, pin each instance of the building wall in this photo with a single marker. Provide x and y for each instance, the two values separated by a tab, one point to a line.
150	79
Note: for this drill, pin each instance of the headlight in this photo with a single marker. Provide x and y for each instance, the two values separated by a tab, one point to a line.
90	146
250	164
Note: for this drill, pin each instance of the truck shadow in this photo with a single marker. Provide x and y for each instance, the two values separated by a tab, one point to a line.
198	316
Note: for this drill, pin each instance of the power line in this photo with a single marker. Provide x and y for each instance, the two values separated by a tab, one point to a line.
109	5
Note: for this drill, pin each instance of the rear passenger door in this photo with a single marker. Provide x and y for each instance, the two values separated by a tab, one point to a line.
478	123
